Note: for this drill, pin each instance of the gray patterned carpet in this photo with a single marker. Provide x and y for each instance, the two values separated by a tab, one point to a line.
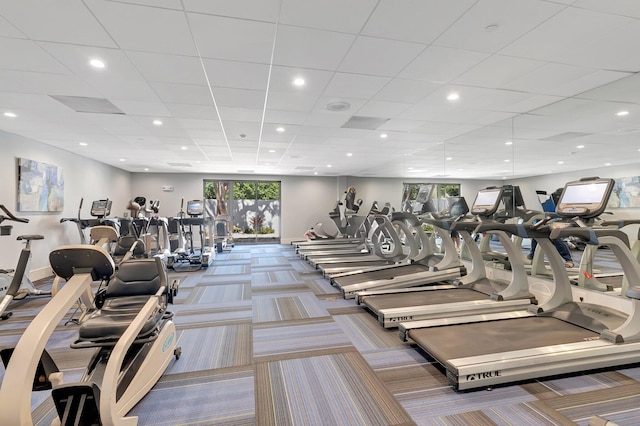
267	341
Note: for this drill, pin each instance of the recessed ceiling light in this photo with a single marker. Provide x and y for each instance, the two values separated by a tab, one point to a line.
607	164
622	113
560	162
384	135
280	129
508	143
272	151
580	146
315	173
349	154
184	148
328	165
504	177
267	164
157	122
449	158
82	144
453	96
298	82
10	114
146	169
507	160
97	63
123	159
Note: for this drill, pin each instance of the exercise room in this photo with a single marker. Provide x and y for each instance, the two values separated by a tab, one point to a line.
295	212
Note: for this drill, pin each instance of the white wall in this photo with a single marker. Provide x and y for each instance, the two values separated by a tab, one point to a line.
83	178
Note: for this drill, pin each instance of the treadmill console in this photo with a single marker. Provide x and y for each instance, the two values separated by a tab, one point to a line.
487	201
585	198
195	208
101	208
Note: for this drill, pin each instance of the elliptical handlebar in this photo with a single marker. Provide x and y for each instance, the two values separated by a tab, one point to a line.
10	216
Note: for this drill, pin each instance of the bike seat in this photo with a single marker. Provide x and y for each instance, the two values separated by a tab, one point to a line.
6	271
30	237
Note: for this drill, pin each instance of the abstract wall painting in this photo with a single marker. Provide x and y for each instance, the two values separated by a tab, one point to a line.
40	187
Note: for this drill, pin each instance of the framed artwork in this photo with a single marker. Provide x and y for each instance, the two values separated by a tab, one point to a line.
40	187
626	193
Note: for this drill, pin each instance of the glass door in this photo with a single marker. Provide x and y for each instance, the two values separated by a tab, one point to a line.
251	207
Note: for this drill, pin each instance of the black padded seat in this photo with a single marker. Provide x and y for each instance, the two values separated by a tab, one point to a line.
129	289
124	245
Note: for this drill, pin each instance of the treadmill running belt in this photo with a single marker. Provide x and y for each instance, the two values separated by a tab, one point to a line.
481	338
383	274
419	298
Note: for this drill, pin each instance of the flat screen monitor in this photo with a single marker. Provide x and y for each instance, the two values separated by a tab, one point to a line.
424	193
586	198
195	208
101	208
487	201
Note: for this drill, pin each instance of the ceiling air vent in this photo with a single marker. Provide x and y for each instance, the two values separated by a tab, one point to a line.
84	104
366	123
180	164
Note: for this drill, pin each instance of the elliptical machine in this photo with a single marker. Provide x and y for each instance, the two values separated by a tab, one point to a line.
18	286
183	249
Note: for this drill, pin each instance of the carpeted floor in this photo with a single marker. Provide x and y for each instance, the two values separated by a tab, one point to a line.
267	341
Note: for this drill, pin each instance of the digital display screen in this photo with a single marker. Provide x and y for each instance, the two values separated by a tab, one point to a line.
194	207
591	193
487	198
424	193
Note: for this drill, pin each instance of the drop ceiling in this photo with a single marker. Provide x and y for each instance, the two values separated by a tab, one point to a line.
540	84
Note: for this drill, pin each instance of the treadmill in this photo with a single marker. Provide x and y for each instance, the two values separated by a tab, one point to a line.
473	294
560	336
429	270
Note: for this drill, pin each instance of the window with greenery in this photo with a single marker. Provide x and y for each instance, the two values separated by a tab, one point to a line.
411	194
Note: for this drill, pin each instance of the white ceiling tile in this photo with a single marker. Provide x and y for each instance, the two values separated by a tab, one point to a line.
259	10
629	8
144	28
382	109
198	124
355	85
568	30
26	55
421	21
406	91
285	117
616	50
288	101
198	112
310	48
532	102
400	125
376	56
168	68
147	109
498	71
8	30
564	80
56	21
232	39
241	75
331	15
513	19
239	97
623	90
321	118
442	64
240	114
166	4
44	83
183	93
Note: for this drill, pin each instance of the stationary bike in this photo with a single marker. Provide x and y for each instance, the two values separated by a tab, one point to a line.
17	286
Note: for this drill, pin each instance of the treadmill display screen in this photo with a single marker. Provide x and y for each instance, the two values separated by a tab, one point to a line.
194	208
424	194
487	198
590	193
